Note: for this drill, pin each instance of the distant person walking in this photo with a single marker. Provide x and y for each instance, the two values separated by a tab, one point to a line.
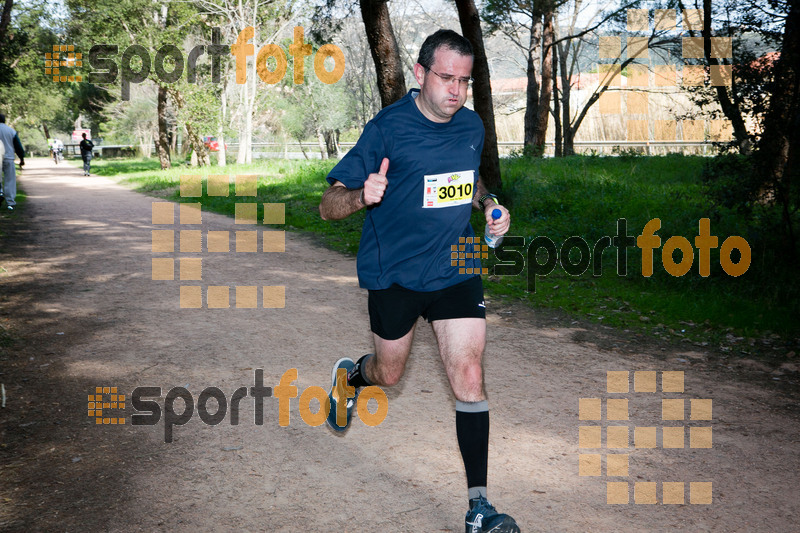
58	150
86	154
11	145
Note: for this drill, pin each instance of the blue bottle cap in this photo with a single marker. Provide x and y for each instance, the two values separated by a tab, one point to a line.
496	214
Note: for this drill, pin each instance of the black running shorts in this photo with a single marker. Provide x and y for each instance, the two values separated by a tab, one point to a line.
394	311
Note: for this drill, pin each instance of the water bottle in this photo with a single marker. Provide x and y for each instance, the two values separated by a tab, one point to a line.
493	241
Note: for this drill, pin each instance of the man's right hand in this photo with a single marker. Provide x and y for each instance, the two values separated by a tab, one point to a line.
375	186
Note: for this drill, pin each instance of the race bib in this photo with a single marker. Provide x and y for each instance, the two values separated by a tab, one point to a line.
449	189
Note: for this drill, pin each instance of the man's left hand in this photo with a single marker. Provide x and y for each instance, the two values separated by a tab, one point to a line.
501	225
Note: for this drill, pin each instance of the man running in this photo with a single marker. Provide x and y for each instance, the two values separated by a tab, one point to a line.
415	170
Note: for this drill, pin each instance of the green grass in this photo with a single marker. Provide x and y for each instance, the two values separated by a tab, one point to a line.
558	198
297	184
21	198
585	196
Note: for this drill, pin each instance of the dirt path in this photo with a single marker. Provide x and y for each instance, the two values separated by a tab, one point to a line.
78	299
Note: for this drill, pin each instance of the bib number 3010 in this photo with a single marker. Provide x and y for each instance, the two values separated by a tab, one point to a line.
448	190
451	192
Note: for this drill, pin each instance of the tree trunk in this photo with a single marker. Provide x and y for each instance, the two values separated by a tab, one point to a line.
173	138
385	54
593	99
5	19
566	93
779	149
221	150
559	148
246	107
481	93
194	140
302	148
323	154
332	143
246	126
197	146
532	89
162	136
162	141
546	86
146	144
729	107
46	131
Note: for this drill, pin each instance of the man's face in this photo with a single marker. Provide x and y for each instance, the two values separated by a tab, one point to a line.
439	100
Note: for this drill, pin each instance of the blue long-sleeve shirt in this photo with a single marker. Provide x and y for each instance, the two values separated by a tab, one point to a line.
11	143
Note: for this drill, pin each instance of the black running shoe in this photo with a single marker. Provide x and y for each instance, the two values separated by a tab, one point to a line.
339	393
484	518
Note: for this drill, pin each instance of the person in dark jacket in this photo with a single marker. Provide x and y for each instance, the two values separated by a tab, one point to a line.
86	154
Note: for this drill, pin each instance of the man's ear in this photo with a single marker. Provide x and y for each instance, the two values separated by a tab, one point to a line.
419	73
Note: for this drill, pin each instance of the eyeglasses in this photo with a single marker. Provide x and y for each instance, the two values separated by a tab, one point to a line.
448	79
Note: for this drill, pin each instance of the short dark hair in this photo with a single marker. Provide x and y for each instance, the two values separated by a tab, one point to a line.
443	39
2	118
84	135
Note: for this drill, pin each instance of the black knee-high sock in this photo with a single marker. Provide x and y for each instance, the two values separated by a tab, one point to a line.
358	376
472	430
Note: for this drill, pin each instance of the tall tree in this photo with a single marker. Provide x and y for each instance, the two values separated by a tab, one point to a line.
779	148
149	25
385	53
359	75
538	112
261	22
569	46
730	106
754	27
175	22
481	92
535	19
5	18
318	110
8	48
31	101
162	141
194	136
